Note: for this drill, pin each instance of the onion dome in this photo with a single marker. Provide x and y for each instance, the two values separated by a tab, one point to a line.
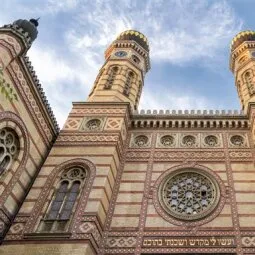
29	27
247	35
135	36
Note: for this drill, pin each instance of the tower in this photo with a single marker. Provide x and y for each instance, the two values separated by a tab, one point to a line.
242	64
121	78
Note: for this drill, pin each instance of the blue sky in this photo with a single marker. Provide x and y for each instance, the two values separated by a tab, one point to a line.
189	43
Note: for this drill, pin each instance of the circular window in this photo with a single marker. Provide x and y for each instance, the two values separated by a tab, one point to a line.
189	140
75	173
141	140
167	140
189	194
211	140
93	124
237	140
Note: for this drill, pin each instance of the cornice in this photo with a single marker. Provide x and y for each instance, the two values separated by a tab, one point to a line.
239	50
19	32
40	92
133	45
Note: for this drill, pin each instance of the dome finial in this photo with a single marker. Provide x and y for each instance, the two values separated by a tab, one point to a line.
35	21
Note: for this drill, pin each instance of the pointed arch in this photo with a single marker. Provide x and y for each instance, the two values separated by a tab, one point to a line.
111	77
51	188
128	83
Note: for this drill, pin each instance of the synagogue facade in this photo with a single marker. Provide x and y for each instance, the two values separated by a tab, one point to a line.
116	180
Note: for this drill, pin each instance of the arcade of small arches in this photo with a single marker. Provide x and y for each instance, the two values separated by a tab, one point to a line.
190	124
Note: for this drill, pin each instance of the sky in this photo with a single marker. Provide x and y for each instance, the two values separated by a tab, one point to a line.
189	48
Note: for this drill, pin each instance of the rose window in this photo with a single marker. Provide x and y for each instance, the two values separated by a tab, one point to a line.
189	140
189	194
93	124
211	140
9	148
75	173
141	140
167	140
237	140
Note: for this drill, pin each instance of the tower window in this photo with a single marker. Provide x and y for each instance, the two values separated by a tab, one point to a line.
138	94
111	78
248	77
9	148
135	59
65	196
96	81
128	83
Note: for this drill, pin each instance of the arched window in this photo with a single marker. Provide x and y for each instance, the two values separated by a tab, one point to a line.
111	77
96	81
139	92
9	148
128	83
60	209
248	77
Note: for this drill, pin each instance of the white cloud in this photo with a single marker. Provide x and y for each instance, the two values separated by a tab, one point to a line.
171	100
62	80
178	32
55	6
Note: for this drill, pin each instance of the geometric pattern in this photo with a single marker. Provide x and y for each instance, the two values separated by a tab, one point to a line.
248	241
86	227
17	228
113	124
112	242
89	227
72	123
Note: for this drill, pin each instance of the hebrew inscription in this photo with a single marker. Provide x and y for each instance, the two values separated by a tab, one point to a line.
189	242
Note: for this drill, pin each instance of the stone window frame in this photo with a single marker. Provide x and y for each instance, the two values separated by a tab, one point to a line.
85	120
57	223
139	93
160	145
135	135
248	79
39	210
212	203
98	78
162	212
130	79
11	121
243	135
217	135
113	71
195	135
7	158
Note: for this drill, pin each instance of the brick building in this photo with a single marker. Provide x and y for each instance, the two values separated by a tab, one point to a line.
118	181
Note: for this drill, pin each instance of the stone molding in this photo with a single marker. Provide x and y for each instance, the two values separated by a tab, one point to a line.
42	200
11	120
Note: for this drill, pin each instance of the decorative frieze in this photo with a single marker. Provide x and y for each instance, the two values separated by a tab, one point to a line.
248	241
124	241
